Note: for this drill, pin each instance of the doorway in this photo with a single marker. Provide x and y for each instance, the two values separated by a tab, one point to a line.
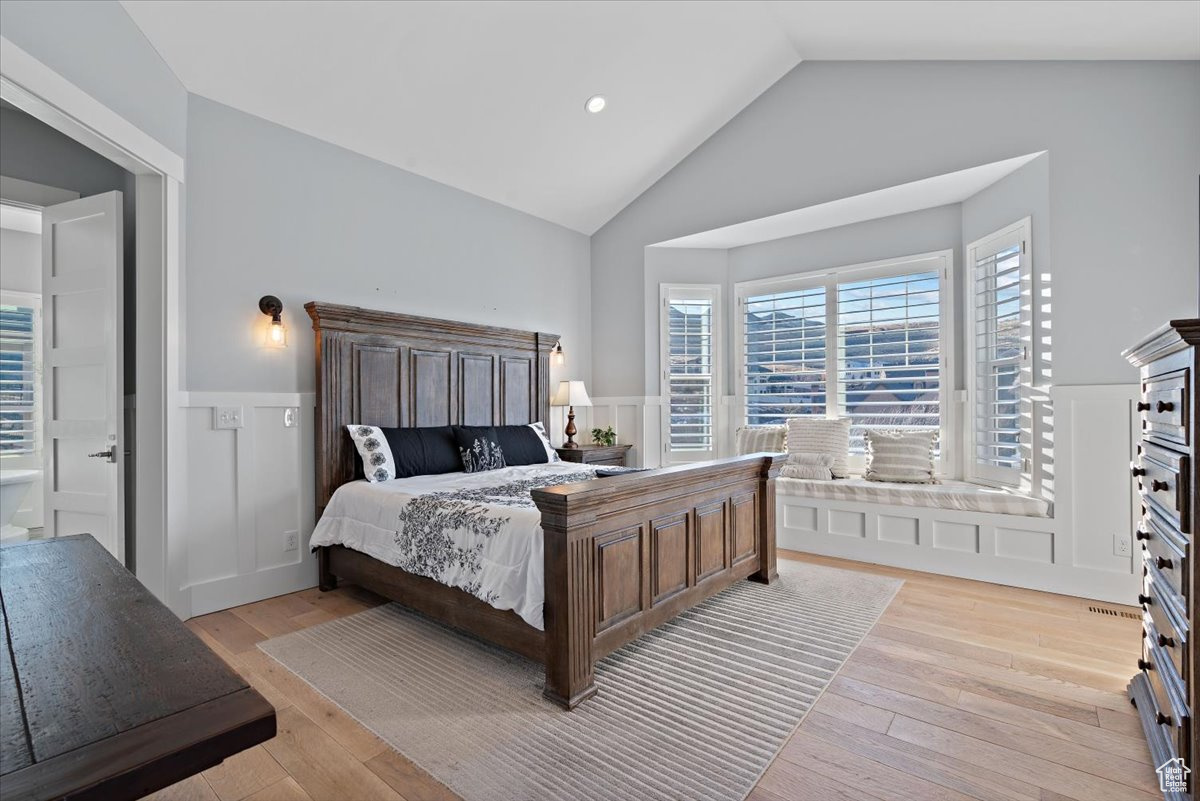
158	551
69	276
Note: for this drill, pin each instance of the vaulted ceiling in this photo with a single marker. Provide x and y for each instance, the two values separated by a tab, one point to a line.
489	97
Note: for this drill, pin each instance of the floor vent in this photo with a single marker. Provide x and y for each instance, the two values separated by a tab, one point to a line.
1104	610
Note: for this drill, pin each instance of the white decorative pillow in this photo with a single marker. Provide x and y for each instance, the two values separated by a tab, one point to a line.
822	435
760	439
374	451
901	456
540	430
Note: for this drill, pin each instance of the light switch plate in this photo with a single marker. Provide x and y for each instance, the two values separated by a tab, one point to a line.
227	417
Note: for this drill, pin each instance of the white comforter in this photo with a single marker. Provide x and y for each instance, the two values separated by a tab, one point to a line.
479	532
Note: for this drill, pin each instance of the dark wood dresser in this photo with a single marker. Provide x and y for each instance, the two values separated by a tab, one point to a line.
595	454
104	693
1163	689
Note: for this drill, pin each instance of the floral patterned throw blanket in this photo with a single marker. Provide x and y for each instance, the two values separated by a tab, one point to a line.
479	532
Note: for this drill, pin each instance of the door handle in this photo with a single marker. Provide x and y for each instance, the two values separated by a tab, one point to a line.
110	454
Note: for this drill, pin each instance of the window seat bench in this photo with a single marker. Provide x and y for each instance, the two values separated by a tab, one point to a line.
956	495
953	528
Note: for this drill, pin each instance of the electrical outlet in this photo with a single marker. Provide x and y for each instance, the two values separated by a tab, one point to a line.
1122	545
291	540
227	417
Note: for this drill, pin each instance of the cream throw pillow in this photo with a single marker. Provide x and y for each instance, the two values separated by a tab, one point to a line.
822	435
900	456
761	439
812	466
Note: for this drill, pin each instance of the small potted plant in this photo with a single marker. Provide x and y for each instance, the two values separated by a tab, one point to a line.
604	436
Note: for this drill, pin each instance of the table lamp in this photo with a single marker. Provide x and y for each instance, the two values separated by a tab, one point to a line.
571	394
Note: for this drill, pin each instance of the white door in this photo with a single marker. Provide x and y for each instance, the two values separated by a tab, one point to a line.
83	381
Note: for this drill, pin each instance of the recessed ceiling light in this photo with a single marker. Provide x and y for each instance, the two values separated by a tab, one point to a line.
595	104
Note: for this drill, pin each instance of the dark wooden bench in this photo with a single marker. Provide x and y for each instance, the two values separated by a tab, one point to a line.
104	693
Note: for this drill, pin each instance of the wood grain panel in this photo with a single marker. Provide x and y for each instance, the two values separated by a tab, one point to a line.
430	388
618	575
517	404
421	384
377	381
14	748
743	516
669	557
119	697
476	389
712	544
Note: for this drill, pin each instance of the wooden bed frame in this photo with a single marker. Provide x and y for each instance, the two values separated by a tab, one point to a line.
622	554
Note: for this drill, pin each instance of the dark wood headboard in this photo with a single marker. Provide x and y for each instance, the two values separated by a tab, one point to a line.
398	371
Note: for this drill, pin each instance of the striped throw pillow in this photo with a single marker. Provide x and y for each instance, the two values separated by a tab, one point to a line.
901	456
822	435
761	439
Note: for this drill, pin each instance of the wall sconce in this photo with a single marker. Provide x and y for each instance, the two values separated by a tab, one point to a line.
276	333
557	357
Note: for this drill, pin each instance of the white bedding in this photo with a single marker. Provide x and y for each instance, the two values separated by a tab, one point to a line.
479	532
948	495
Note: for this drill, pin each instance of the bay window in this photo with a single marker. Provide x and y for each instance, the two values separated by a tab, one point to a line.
869	342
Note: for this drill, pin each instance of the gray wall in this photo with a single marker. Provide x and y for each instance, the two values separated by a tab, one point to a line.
21	255
272	211
96	46
1125	142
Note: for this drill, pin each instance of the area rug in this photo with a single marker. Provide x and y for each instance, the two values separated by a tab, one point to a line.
696	709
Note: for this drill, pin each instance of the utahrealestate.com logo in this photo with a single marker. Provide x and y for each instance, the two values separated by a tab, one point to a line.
1172	776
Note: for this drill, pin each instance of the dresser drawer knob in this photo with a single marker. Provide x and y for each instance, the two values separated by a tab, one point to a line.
1141	535
1162	720
1145	600
1137	471
1166	642
1164	563
1159	486
1164	406
1143	406
1144	665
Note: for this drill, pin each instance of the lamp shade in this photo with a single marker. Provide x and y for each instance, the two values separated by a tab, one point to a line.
571	393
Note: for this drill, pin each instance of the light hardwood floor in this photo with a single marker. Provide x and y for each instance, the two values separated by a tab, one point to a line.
963	690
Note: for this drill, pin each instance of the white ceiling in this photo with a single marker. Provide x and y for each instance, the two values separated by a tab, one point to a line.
928	193
488	96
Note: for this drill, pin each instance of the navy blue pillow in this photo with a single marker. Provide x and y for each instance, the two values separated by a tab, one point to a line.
426	451
492	447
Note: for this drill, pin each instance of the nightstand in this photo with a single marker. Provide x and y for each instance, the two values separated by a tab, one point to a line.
595	454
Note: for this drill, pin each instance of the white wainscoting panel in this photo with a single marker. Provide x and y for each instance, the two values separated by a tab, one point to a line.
635	421
249	488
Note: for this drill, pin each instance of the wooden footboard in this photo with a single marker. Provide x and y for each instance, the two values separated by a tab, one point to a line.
627	553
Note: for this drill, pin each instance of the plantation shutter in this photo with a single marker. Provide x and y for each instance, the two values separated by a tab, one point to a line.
18	379
999	314
784	362
889	354
689	373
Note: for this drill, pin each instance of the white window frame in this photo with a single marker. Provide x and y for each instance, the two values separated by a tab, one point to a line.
991	475
31	300
941	260
712	293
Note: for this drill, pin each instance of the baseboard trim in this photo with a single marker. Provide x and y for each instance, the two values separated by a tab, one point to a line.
231	591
